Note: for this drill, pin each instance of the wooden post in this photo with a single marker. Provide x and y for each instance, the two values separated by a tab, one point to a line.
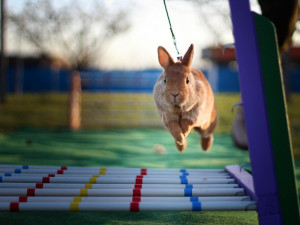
75	102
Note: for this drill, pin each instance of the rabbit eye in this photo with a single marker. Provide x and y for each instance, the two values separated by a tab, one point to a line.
187	80
165	80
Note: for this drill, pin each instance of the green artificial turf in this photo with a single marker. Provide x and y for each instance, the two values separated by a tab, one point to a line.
119	148
115	148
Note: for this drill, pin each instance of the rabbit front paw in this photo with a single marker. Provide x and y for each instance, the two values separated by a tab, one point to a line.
186	126
181	145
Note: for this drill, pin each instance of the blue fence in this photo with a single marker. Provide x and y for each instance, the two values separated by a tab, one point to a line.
294	79
46	79
41	79
120	81
228	80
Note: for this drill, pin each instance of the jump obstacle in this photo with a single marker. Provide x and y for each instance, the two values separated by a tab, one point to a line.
41	188
271	189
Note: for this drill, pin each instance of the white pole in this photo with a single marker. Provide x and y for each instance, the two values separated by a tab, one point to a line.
212	176
105	180
122	192
113	186
125	206
111	169
108	172
119	199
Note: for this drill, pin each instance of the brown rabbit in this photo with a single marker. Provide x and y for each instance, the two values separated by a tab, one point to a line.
185	100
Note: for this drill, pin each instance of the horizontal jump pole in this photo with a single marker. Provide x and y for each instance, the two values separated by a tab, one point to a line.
164	170
114	186
107	172
106	180
128	207
119	199
117	176
122	192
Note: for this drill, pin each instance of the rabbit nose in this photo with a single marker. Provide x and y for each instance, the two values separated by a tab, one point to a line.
175	94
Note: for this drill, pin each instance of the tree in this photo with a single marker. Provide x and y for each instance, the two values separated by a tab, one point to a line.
76	32
2	53
215	18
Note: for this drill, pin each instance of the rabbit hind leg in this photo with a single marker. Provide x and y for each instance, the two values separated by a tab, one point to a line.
206	142
206	138
207	134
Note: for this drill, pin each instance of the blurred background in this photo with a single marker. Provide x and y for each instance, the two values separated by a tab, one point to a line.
78	65
76	86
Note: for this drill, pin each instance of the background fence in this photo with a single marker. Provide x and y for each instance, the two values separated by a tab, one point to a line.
109	98
44	79
107	110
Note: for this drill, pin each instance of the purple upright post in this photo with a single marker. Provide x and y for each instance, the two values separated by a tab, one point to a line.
250	78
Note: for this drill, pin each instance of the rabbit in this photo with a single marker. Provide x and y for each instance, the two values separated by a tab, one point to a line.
185	100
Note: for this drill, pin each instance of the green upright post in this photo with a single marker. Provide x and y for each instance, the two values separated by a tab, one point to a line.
277	119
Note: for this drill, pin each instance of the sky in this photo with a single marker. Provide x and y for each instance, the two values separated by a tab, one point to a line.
200	24
150	29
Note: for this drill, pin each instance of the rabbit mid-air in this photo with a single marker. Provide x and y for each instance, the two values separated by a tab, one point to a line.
185	100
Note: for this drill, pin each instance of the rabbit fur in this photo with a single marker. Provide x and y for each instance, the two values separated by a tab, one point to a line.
185	100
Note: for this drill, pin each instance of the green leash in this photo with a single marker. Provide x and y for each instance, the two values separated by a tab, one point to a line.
179	57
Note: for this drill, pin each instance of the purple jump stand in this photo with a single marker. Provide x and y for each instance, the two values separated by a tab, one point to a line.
256	53
250	78
243	178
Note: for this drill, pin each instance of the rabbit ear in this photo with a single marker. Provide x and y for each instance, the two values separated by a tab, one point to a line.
164	58
188	57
